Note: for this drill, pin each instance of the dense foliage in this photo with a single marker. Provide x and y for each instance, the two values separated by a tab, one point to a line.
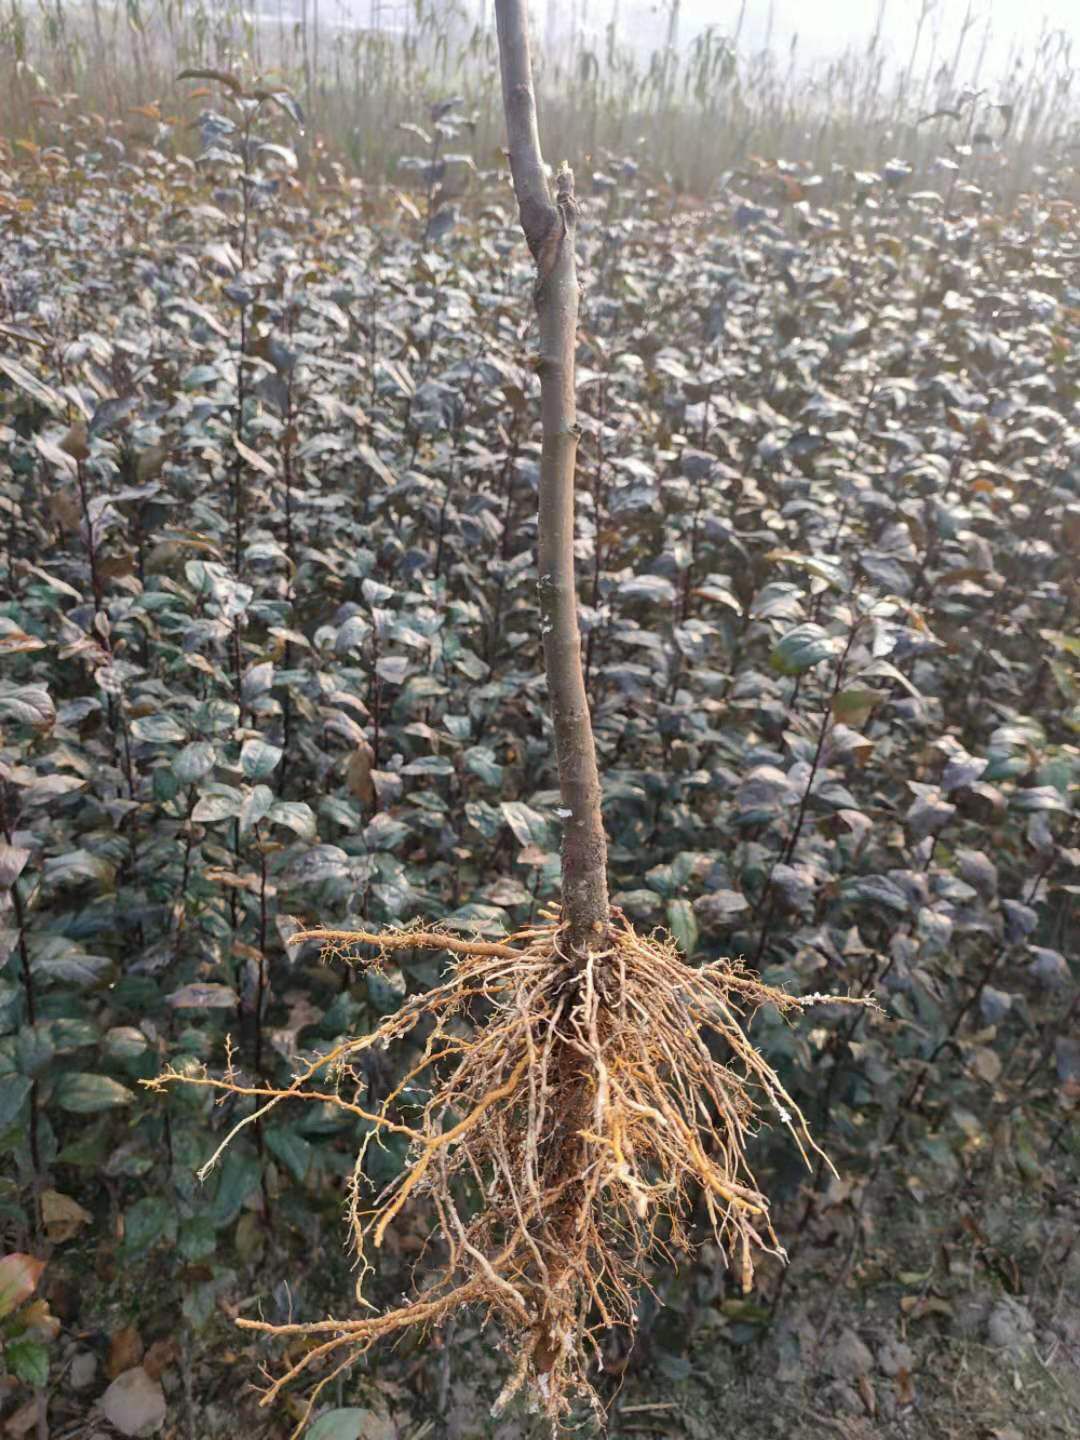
268	463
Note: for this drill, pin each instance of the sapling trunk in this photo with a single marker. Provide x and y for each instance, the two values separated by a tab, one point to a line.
549	230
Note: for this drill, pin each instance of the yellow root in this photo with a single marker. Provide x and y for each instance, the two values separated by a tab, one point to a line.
405	940
587	1104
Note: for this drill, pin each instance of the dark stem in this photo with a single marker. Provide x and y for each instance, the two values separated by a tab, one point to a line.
31	1002
793	839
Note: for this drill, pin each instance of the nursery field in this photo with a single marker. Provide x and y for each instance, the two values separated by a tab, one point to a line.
271	658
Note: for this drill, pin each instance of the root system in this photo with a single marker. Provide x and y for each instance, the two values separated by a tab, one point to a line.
562	1113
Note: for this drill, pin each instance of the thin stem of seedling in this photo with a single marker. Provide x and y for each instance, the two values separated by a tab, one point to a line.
550	228
766	897
29	990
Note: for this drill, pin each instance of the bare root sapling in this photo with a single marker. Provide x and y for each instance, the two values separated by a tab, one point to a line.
571	1080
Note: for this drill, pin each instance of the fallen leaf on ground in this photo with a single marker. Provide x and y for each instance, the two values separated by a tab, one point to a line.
160	1356
19	1275
62	1216
135	1403
125	1351
23	1420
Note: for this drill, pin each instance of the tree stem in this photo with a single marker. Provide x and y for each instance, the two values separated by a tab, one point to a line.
549	230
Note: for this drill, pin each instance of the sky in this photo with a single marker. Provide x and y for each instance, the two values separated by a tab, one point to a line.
828	26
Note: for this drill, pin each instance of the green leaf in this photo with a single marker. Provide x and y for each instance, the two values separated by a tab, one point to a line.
203	995
673	1367
528	825
323	1118
28	1360
238	1176
81	1093
69	1034
779	600
392	668
480	760
34	1049
145	1223
384	832
124	1042
428	765
199	376
291	1149
27	705
166	785
339	1016
216	803
91	1148
44	395
682	922
139	993
258	680
295	816
651	589
853	706
484	818
12	862
194	762
158	729
279	152
1038	797
823	567
803	648
747	1311
384	996
197	1239
79	865
345	1424
200	1302
13	1092
471	665
54	958
257	806
259	759
290	105
477	919
887	670
876	890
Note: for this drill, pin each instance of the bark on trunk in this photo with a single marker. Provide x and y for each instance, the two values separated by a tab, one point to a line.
549	230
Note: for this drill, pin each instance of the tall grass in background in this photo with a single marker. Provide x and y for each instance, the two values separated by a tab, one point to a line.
694	110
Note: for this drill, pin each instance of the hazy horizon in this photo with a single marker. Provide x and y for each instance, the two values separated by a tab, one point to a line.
825	30
997	28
